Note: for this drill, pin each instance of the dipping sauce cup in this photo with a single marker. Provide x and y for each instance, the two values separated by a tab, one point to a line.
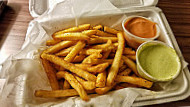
157	62
138	29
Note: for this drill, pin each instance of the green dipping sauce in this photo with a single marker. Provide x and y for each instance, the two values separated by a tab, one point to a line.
159	61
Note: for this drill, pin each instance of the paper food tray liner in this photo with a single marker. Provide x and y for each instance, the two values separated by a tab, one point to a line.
24	73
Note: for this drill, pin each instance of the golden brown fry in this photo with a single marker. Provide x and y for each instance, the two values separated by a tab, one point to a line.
115	65
58	93
106	54
129	51
92	58
110	30
72	36
102	40
51	74
88	85
132	57
89	32
104	89
126	72
76	49
122	68
118	87
104	47
90	51
94	69
59	68
126	85
79	58
74	83
71	67
73	29
64	52
104	34
66	85
134	80
59	46
98	27
101	79
52	42
130	64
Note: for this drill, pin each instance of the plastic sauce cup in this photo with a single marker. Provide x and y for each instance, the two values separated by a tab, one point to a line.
157	62
133	40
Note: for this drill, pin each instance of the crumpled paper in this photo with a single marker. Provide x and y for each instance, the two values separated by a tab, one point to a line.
24	73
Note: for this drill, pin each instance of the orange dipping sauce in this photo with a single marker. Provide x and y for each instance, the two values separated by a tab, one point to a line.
141	27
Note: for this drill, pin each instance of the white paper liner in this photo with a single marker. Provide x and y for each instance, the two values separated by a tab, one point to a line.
24	74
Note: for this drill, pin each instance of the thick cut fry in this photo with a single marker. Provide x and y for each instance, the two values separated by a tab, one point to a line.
115	65
130	64
89	32
94	69
98	27
79	58
74	83
66	85
104	34
58	93
90	51
110	30
88	85
104	89
73	29
76	49
59	46
126	72
102	40
72	36
132	57
64	52
71	67
104	47
52	42
134	80
101	79
51	74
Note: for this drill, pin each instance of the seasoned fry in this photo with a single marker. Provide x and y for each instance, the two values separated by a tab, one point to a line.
94	69
130	64
122	68
134	80
92	58
73	29
104	34
98	27
125	72
101	40
132	57
118	87
71	67
58	93
79	58
66	85
64	52
59	46
129	51
89	32
104	89
110	30
88	85
72	36
76	49
90	51
51	74
115	65
52	42
104	47
126	85
106	54
101	79
75	84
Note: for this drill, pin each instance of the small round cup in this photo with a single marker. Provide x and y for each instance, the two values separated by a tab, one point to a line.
144	74
133	40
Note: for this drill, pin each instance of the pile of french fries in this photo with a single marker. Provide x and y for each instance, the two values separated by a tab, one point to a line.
84	60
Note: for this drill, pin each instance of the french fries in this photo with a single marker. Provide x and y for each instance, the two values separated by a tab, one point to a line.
115	66
90	60
74	83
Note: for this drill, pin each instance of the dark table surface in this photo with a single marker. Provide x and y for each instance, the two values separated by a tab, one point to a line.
14	22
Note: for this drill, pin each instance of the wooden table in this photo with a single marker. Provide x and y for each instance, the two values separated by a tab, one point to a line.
14	22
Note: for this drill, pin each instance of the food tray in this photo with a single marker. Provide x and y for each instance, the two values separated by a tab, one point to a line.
179	88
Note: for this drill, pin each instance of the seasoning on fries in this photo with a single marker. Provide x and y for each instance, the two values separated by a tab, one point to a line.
84	60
